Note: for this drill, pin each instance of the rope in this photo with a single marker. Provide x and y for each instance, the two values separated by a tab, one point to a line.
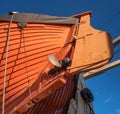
25	57
6	61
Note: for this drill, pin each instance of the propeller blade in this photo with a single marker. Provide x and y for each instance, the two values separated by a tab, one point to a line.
52	59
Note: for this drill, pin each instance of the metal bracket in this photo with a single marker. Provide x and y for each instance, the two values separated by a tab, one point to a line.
22	24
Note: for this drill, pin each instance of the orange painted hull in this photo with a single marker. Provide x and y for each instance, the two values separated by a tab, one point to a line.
24	66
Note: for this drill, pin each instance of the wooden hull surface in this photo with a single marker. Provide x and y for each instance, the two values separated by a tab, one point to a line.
28	47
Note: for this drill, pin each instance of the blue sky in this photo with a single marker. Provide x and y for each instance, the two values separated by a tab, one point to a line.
106	16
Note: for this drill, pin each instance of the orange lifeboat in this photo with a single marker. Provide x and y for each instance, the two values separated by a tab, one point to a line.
40	56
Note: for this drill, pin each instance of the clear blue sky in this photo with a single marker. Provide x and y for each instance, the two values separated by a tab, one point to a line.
106	16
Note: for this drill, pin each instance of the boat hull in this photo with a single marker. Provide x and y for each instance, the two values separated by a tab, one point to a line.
26	41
